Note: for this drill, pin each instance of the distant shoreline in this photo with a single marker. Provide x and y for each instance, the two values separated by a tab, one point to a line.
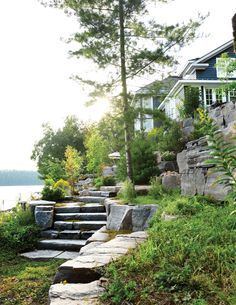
19	178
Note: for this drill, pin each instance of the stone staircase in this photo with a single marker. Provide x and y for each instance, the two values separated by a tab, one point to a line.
75	222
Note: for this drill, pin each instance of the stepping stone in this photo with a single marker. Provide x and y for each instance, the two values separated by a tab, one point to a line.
68	209
68	255
91	199
41	254
88	225
61	244
87	266
70	234
92	208
81	216
87	234
63	225
51	234
75	294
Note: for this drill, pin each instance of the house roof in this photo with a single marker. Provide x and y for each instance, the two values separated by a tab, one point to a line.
159	87
200	63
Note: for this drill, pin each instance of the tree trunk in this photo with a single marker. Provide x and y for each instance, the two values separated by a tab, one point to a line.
124	93
234	31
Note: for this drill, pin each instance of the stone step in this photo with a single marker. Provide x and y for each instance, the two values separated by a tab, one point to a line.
75	294
67	234
91	199
101	194
81	208
61	244
80	216
79	225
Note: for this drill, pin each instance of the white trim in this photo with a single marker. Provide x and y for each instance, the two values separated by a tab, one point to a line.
198	62
216	51
180	83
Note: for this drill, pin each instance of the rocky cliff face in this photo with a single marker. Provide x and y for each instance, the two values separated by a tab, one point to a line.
196	176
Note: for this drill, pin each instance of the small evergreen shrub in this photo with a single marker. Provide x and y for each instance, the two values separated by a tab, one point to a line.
143	161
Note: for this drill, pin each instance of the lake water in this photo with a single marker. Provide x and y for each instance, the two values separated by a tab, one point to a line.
9	195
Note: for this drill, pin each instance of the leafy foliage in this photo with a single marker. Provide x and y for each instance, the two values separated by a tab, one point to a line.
49	152
170	137
223	156
18	231
97	150
115	37
55	191
191	101
105	181
73	164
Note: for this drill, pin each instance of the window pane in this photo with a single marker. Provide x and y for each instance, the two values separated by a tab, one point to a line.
209	99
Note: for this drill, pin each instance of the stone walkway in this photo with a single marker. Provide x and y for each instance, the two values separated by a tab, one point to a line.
82	275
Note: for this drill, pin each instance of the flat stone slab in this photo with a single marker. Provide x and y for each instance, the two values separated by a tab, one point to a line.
75	294
85	267
68	255
81	216
61	244
42	254
34	203
88	225
91	199
90	246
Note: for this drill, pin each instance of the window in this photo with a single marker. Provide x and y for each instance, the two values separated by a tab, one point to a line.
219	96
209	97
222	65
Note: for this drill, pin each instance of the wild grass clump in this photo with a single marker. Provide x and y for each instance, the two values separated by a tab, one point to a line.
18	231
127	191
188	261
156	189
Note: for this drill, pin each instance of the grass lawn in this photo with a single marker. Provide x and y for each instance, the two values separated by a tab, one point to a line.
25	282
187	261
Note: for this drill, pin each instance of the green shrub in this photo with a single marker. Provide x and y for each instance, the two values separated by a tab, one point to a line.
143	161
105	181
168	156
170	138
55	191
18	231
127	191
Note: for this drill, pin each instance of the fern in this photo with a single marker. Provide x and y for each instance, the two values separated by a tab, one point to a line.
222	156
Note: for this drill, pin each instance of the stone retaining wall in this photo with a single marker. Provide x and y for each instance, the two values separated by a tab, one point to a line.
196	176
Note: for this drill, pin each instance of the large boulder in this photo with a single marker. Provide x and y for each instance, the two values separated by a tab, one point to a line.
44	216
170	180
120	218
141	216
131	218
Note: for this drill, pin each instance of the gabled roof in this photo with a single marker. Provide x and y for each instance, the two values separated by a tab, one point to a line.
159	87
199	63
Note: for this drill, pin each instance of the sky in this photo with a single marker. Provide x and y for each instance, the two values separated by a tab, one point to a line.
35	68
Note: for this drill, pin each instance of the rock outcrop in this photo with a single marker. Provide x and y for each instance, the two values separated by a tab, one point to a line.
197	176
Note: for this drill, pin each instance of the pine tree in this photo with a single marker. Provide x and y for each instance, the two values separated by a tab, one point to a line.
118	35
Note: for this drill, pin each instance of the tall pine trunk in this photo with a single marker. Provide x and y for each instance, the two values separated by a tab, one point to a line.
124	93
